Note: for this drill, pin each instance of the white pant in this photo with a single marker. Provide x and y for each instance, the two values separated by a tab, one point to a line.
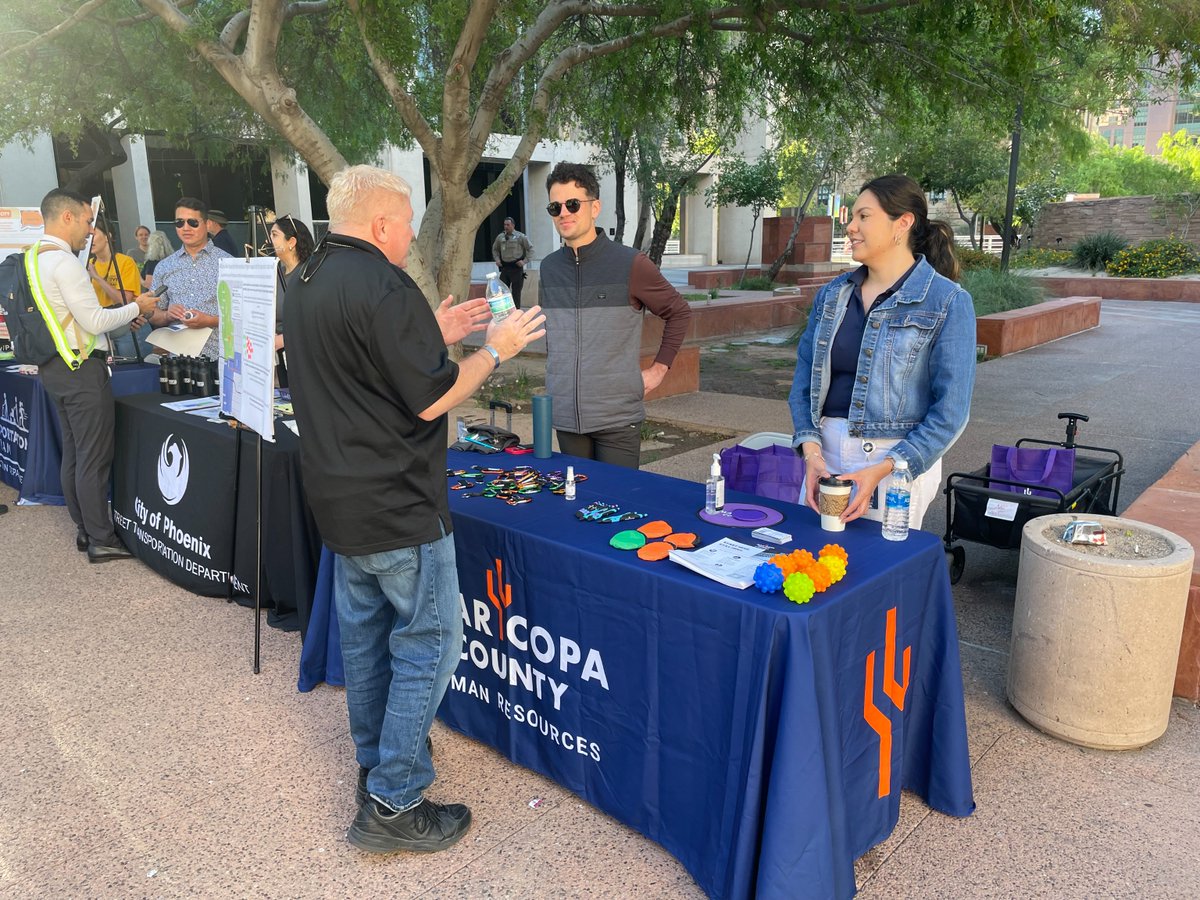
844	453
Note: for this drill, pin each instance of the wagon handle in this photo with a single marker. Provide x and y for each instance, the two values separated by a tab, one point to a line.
1072	427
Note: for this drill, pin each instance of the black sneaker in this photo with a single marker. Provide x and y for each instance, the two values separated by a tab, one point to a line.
360	790
426	828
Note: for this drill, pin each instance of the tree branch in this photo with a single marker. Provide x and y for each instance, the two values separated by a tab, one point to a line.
410	113
456	95
148	16
262	36
237	25
66	25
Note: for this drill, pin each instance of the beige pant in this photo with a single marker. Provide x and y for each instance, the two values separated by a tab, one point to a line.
844	453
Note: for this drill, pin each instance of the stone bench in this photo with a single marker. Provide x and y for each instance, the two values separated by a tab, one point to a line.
707	279
1019	329
1184	290
1173	503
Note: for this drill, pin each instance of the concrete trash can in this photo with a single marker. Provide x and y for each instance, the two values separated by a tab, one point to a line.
1096	631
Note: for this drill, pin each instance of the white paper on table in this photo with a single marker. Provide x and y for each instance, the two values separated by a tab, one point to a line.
730	562
188	342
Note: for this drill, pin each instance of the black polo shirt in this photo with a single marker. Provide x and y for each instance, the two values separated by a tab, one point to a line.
847	344
365	357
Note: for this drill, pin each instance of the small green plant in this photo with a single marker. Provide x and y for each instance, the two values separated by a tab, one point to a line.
1040	258
755	283
995	291
971	259
1161	258
1096	251
516	388
696	297
714	293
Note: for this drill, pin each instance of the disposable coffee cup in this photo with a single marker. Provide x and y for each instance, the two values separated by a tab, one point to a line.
833	496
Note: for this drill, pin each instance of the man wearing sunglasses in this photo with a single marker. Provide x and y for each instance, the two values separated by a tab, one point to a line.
593	293
190	276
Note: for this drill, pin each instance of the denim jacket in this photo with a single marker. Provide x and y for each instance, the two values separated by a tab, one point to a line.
916	367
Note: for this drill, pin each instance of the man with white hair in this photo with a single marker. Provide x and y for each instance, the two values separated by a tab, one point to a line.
371	381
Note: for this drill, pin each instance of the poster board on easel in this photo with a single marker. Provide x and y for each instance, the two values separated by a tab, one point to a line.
246	299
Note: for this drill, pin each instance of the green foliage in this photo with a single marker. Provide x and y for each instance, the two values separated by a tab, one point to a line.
1162	258
755	185
755	283
995	291
696	297
1040	258
972	260
1123	172
1182	150
1096	251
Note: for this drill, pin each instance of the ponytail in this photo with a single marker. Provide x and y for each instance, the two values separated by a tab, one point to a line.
899	194
934	240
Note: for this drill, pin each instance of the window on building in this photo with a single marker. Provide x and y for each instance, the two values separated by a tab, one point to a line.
1187	112
1118	137
1139	135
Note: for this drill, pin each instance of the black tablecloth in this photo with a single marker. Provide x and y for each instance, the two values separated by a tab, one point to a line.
31	438
185	503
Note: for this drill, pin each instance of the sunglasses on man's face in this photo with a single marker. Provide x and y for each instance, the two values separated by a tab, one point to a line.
572	205
190	223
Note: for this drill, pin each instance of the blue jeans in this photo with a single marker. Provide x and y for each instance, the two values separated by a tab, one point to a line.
401	639
124	344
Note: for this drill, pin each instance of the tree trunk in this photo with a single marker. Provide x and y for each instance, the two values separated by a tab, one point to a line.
620	155
970	223
790	247
1010	201
750	249
663	225
109	153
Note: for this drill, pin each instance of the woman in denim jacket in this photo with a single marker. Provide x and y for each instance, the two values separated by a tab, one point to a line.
886	365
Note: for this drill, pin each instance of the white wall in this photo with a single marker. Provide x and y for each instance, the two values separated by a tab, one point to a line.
131	186
289	178
27	174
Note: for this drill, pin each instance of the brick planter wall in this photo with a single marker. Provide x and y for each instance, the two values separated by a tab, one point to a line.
1136	219
1019	329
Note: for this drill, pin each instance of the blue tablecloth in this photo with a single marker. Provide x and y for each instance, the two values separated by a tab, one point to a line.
30	437
762	742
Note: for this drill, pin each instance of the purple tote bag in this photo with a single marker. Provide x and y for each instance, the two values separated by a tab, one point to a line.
774	472
1051	467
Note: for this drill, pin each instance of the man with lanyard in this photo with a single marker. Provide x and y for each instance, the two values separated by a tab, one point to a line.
372	381
511	250
77	378
190	277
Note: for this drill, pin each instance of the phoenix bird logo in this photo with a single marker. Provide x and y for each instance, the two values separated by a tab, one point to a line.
173	469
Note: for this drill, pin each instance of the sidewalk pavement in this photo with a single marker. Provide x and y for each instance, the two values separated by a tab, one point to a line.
141	758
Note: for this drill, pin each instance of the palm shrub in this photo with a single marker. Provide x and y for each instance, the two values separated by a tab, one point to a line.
1096	251
1161	258
995	291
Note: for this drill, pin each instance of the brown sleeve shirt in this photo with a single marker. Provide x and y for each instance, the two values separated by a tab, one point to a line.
649	290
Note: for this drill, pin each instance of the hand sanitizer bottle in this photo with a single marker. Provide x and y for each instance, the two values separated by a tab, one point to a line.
569	486
714	488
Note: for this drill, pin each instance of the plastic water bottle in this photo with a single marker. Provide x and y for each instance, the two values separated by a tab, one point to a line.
499	297
895	507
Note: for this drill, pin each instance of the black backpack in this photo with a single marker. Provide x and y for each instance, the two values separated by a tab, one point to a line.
32	343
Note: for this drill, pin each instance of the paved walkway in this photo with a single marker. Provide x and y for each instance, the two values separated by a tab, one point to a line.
141	758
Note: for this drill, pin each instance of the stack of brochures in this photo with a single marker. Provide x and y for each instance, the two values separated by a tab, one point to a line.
728	561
